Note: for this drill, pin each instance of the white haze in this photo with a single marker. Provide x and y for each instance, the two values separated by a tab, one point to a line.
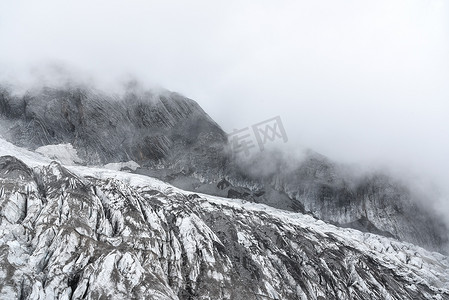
362	82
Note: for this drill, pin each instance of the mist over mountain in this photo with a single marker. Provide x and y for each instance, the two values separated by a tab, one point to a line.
170	137
198	149
86	233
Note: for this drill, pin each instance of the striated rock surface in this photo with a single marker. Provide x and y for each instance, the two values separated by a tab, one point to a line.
159	129
170	137
84	233
372	202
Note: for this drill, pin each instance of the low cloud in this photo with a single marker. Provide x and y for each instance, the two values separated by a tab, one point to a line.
360	82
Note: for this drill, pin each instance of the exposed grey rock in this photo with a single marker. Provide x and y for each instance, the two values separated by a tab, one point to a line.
329	192
67	236
173	139
164	129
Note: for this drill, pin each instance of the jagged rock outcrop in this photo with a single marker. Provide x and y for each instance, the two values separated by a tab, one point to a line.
161	129
66	234
373	202
173	139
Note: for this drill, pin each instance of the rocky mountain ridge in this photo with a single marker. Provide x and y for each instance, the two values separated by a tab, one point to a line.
86	233
170	137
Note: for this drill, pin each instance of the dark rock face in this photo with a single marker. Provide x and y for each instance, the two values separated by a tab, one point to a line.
164	129
173	139
11	167
372	202
68	236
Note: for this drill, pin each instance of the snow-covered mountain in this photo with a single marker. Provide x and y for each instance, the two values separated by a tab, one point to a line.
79	232
168	136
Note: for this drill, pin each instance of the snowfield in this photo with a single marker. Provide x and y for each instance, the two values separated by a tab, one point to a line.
63	153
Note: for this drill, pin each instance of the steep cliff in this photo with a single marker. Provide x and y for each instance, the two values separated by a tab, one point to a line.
170	137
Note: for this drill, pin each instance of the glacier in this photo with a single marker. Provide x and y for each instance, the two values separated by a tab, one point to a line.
170	137
78	232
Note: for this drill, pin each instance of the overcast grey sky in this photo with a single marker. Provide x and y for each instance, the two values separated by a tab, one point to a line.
359	81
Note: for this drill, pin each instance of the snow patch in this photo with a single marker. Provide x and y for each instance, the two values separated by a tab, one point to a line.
64	153
122	166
